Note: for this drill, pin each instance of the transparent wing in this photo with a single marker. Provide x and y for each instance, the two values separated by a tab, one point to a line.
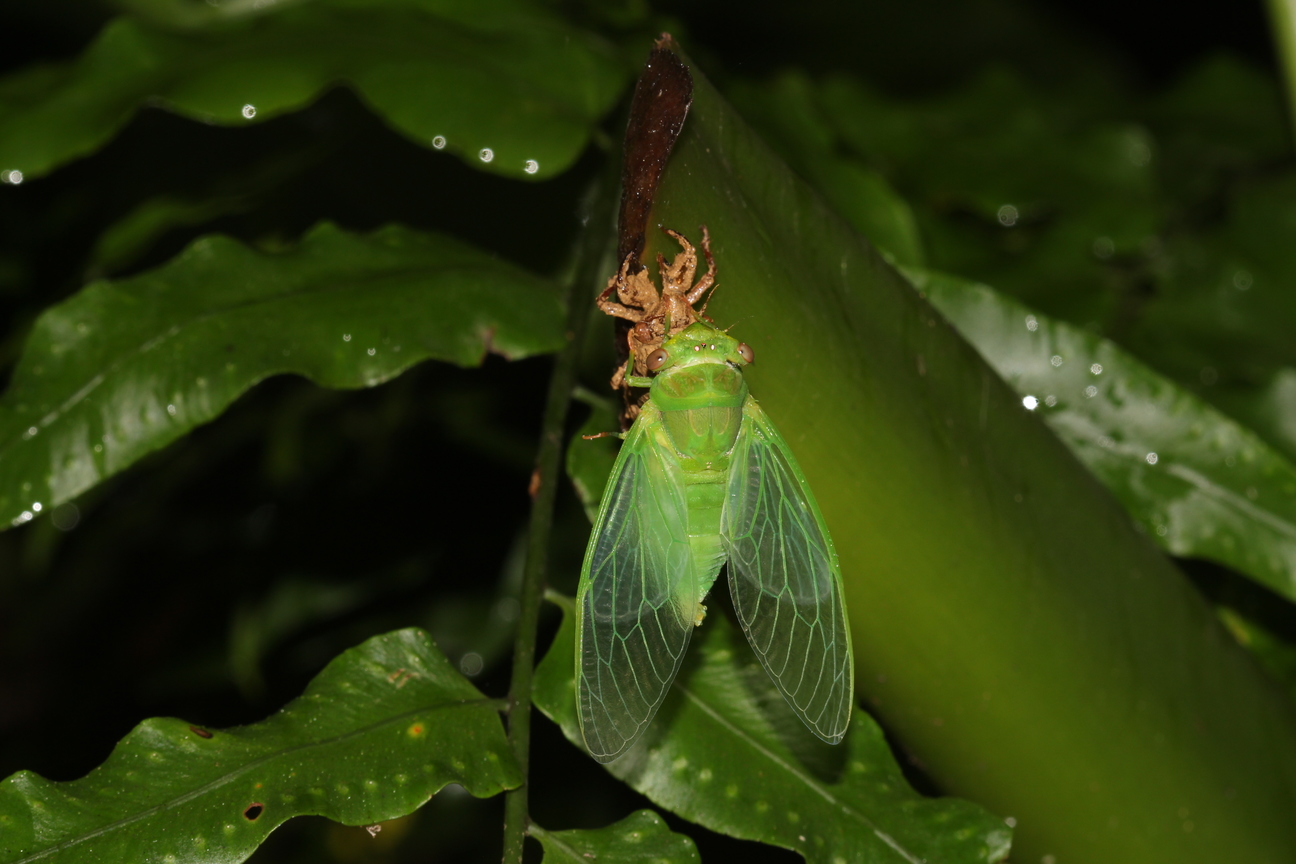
636	604
785	580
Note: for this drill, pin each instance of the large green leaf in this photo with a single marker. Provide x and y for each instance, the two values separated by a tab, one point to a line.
726	751
505	84
640	838
1028	645
1196	481
123	368
375	735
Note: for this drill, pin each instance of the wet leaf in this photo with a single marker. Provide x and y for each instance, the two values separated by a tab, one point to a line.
505	85
1197	482
725	751
123	368
375	735
640	837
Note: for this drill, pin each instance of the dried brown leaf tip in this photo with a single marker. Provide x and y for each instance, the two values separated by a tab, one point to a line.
658	315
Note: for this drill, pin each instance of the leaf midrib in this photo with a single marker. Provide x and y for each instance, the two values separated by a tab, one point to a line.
808	781
126	357
224	779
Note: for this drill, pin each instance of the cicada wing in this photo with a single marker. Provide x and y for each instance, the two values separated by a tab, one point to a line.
785	580
637	600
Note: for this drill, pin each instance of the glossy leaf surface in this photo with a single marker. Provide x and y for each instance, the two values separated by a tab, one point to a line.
640	838
375	735
123	368
1197	482
506	85
727	752
1006	616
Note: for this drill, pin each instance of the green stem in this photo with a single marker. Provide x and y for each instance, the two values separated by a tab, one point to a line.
545	485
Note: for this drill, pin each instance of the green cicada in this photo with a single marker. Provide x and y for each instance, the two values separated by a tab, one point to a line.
704	478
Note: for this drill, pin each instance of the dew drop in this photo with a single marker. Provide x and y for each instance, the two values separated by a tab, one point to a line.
249	111
13	178
532	166
372	351
486	154
1030	402
1031	324
346	337
1008	215
439	142
1151	458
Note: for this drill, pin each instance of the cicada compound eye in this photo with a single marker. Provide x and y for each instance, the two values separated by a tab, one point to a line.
745	352
657	359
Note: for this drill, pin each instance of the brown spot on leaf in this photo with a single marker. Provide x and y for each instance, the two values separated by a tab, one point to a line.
200	732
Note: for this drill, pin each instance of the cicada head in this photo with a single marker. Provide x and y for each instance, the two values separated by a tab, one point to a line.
697	344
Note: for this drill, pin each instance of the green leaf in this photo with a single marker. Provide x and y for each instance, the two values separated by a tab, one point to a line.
727	752
127	239
504	84
640	837
589	461
1222	301
1014	631
375	735
1198	483
1041	193
126	367
787	109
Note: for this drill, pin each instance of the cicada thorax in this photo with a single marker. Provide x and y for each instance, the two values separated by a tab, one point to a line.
701	407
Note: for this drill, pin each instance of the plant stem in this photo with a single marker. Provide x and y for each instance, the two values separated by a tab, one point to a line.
545	486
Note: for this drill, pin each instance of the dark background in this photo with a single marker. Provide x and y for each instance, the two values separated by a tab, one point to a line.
212	580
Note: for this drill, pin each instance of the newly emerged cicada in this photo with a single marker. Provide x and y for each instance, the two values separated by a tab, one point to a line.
703	479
